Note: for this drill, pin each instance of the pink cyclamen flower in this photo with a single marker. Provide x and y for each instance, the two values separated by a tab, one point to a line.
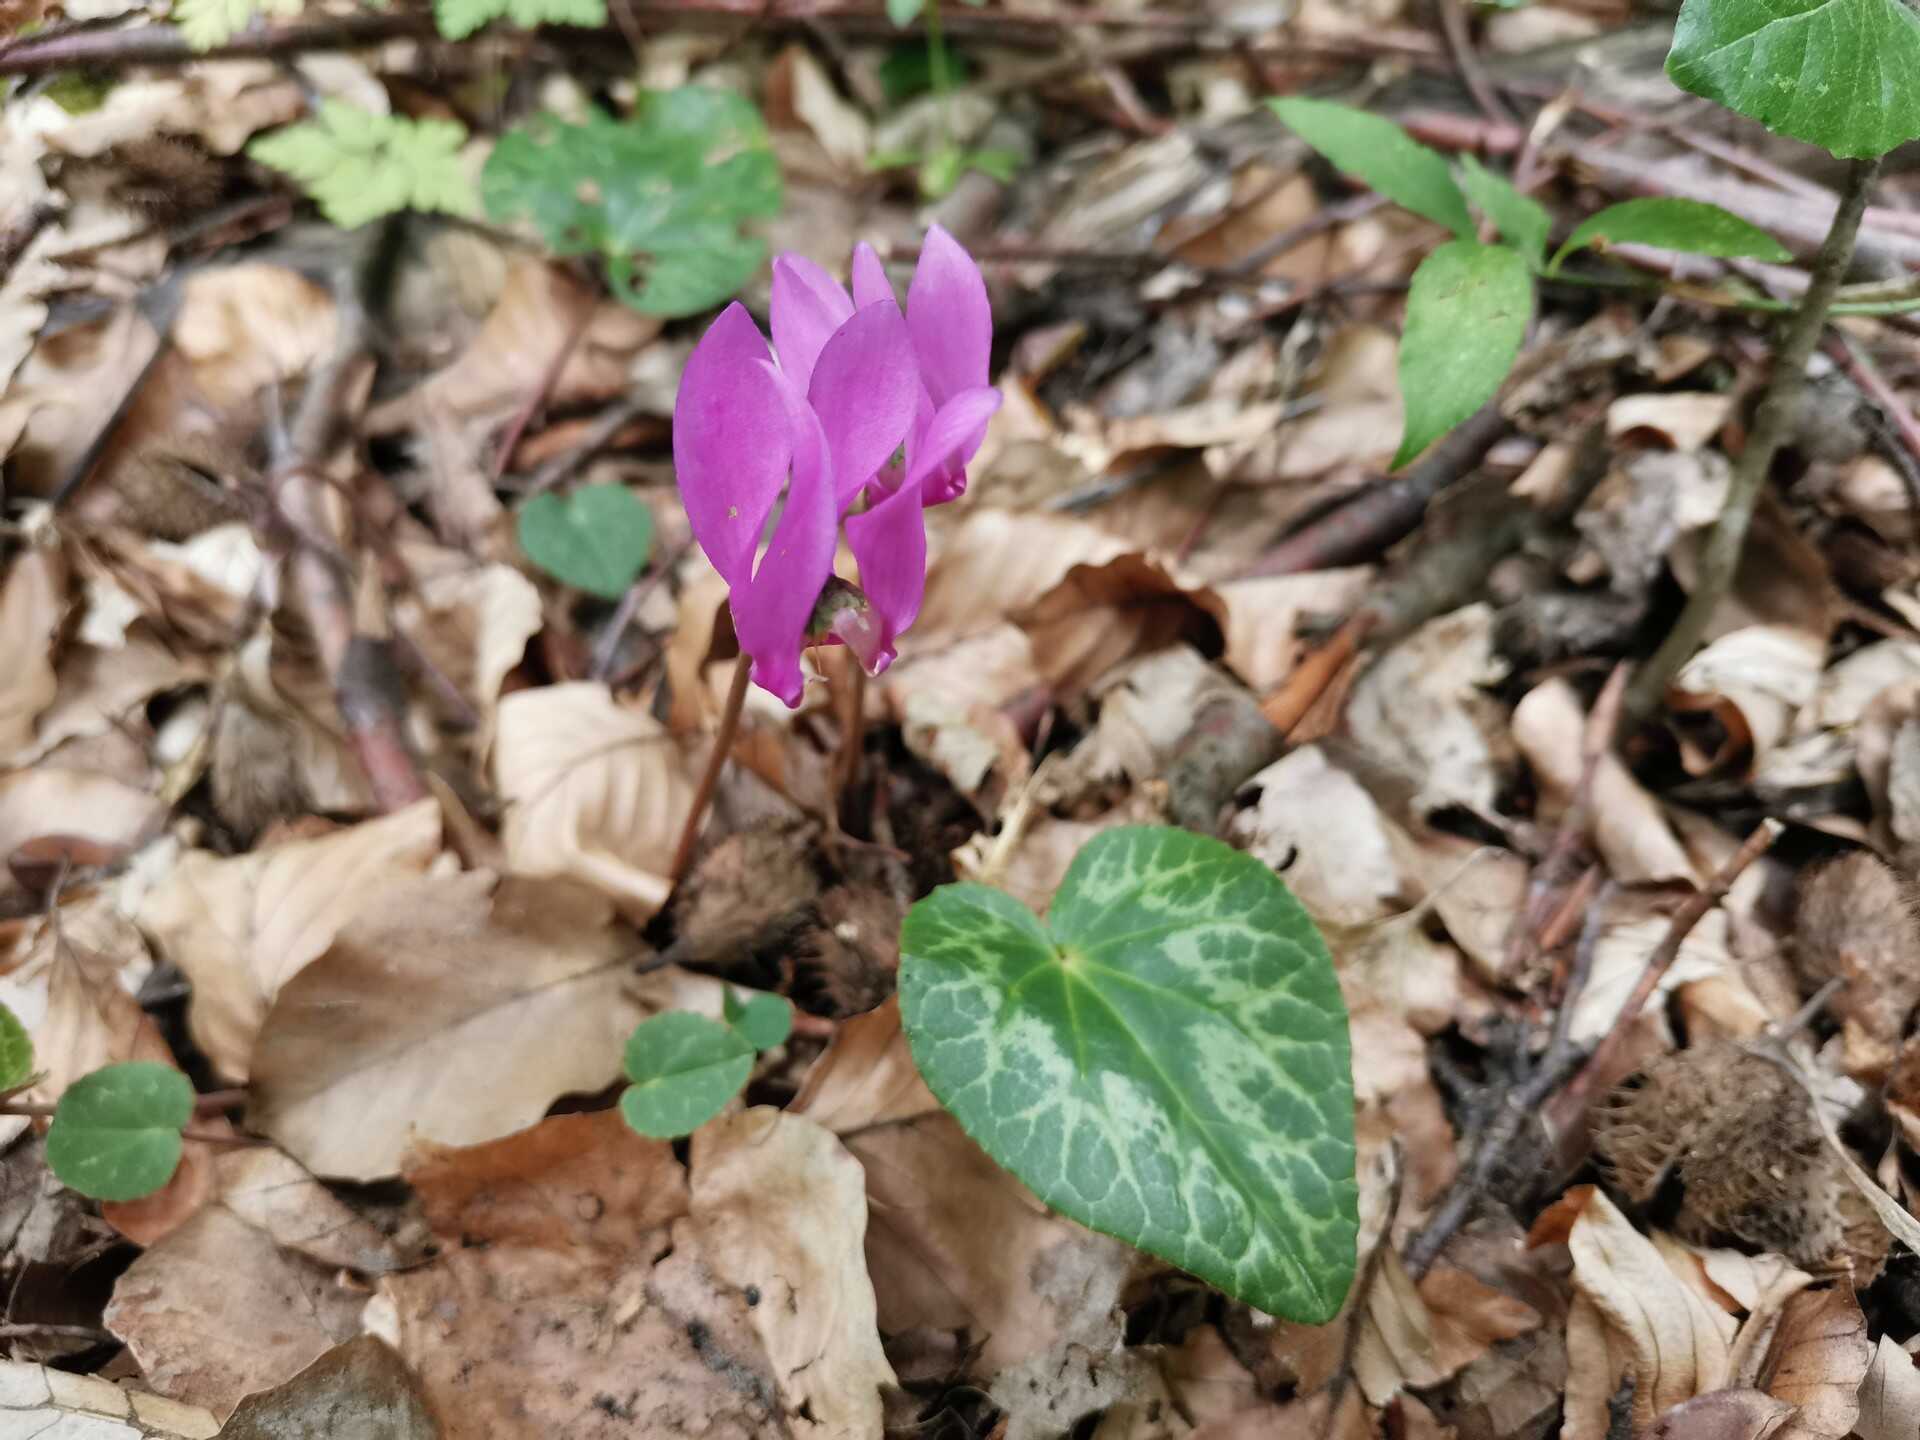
864	404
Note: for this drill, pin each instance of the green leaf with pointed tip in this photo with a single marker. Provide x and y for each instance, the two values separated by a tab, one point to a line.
1523	221
1383	155
1466	316
116	1132
595	539
16	1052
762	1020
1673	224
1165	1059
1836	73
684	1069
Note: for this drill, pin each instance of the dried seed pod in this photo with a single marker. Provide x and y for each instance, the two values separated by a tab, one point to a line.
1856	924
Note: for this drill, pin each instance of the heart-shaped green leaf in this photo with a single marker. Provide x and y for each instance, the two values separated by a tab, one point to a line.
1844	74
684	1069
1383	155
763	1021
116	1132
1466	316
595	539
16	1052
1674	224
1165	1060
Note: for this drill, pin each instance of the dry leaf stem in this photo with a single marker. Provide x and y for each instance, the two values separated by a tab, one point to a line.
1779	412
710	777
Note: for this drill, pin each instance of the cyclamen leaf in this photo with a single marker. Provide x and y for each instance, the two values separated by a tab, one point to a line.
684	1069
1522	220
1383	155
116	1132
207	23
458	19
1675	224
1466	316
1837	73
661	197
359	166
595	539
1164	1060
16	1052
763	1021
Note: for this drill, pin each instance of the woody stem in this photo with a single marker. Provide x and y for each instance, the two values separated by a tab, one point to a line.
722	745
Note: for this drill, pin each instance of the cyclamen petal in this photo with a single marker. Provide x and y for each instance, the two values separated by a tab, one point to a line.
864	390
732	441
889	539
870	283
808	306
949	317
770	614
949	440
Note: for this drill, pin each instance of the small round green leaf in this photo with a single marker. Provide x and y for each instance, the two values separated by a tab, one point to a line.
763	1021
116	1132
1836	73
16	1051
595	539
1383	155
1466	316
1165	1059
684	1069
1674	224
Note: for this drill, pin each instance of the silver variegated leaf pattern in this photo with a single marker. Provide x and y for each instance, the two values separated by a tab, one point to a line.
1166	1060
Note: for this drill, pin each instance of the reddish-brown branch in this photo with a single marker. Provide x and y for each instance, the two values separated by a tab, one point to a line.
167	45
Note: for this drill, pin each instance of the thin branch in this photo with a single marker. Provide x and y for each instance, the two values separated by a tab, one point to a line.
167	44
1779	412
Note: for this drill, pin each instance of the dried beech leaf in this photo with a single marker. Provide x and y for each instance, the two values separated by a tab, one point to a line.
31	610
240	928
1725	1415
1819	1358
1890	1395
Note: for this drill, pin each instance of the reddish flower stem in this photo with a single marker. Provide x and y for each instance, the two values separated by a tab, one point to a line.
722	745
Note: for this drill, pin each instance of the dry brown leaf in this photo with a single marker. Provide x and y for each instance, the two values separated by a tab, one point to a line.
452	1009
1620	955
1422	710
1890	1395
1626	823
593	790
801	94
995	564
276	1195
1724	1415
473	623
44	1403
1101	615
1264	618
101	691
1676	1345
1415	1336
1683	419
553	1312
781	1210
1820	1356
50	800
240	928
217	1310
1754	682
865	1076
360	1388
32	605
1317	823
1636	514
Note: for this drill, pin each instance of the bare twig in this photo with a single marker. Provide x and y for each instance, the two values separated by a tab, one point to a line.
596	438
1779	411
1894	412
167	44
1454	26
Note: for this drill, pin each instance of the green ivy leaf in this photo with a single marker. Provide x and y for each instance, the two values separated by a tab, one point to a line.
684	1069
763	1021
595	539
359	166
16	1052
1165	1059
1673	224
1466	316
207	23
458	19
1837	73
116	1132
1523	222
661	196
1383	155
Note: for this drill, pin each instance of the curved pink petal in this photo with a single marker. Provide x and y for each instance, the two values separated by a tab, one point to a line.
864	390
771	612
948	314
949	441
808	306
731	442
890	542
870	283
